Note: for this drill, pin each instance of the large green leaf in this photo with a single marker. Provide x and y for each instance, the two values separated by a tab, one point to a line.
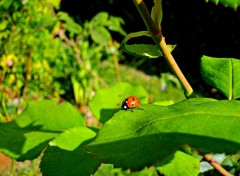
223	74
65	157
106	102
231	3
29	134
143	137
142	50
57	162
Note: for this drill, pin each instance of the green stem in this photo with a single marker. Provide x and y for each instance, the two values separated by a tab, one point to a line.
160	41
116	66
12	167
152	28
5	109
172	63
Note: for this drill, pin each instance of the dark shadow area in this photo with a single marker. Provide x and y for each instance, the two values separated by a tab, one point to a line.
57	162
106	114
138	152
13	140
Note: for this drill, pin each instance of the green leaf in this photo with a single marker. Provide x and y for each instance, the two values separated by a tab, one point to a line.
49	114
55	3
3	25
143	137
104	19
222	74
56	162
179	164
142	50
231	3
65	156
71	25
114	24
72	138
157	13
100	35
100	18
40	122
106	102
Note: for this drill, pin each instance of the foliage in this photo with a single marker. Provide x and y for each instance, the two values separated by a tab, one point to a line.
233	4
223	74
47	54
142	50
170	139
105	103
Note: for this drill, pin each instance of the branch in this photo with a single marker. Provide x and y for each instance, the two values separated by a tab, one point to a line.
216	165
159	40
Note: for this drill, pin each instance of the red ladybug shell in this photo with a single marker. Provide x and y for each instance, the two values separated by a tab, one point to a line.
130	103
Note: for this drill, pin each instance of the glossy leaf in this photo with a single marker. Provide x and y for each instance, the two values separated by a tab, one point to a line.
222	74
143	137
29	134
142	50
106	102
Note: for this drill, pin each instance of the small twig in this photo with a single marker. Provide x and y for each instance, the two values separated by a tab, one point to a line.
216	165
206	157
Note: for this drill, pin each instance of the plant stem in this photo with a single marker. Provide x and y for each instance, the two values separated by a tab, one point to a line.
159	40
80	61
5	109
12	167
152	28
116	66
216	165
172	63
27	70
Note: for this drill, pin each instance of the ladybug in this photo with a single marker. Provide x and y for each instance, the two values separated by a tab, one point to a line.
130	103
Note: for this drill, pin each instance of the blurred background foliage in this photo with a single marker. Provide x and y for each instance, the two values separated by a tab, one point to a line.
61	50
46	53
